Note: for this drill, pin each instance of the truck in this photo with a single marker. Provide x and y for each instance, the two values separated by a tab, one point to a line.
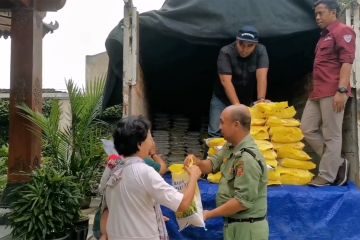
162	64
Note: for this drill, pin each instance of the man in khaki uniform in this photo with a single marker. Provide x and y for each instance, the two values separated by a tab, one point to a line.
242	194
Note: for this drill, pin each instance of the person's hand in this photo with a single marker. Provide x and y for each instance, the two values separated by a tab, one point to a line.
339	102
194	171
152	149
262	100
205	215
166	219
190	159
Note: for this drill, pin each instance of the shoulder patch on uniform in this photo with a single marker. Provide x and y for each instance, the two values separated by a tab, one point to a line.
347	38
238	154
240	169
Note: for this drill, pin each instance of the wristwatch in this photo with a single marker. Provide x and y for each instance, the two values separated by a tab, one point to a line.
342	90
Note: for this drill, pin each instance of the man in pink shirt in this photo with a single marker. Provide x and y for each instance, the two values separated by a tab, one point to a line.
324	111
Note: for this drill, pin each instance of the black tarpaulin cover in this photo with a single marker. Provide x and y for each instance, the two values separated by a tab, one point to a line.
180	42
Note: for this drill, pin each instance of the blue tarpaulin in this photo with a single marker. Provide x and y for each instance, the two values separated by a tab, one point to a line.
294	213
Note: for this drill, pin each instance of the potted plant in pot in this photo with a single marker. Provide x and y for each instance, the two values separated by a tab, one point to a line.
3	167
75	149
46	207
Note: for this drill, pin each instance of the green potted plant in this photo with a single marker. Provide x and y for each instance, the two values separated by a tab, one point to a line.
4	150
77	149
46	207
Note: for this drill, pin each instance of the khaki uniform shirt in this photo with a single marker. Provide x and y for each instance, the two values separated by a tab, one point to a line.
243	178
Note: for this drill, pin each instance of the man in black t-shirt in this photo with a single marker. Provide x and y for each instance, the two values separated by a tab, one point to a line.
242	68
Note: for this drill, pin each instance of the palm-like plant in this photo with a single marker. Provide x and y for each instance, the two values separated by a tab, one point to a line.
76	149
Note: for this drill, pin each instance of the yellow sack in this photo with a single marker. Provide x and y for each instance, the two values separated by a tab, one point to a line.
259	132
271	162
293	163
278	109
294	172
275	121
286	134
194	214
263	145
214	177
214	150
287	179
258	121
211	152
255	113
293	176
270	107
284	113
288	152
273	182
269	154
214	142
273	175
297	145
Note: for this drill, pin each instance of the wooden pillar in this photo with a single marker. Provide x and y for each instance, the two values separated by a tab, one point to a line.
25	87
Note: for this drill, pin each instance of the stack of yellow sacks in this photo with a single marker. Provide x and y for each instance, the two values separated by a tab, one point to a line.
292	164
260	132
214	145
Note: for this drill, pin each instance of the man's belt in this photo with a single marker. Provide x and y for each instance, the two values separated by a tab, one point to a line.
250	220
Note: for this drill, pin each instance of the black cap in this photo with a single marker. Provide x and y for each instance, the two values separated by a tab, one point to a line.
248	34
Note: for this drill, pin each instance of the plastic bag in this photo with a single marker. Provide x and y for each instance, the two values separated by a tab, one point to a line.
214	177
255	113
264	145
285	113
271	162
293	163
215	142
296	145
109	147
286	134
214	150
275	121
278	109
273	182
194	214
269	154
295	172
271	107
288	152
292	176
273	175
259	132
258	121
287	179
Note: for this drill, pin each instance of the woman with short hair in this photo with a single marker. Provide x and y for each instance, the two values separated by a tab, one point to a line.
135	190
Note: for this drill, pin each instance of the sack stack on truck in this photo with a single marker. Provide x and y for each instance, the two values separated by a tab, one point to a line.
214	145
291	164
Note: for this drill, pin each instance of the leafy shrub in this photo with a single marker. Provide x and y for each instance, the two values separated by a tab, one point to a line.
46	207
